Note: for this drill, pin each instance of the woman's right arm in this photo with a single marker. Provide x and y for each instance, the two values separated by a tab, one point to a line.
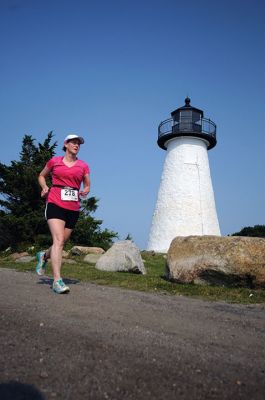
42	181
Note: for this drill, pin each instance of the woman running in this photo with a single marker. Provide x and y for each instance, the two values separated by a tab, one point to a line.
62	204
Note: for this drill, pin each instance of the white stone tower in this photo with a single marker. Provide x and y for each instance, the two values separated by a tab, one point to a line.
185	203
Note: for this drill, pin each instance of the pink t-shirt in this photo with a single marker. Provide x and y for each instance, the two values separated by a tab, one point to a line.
65	176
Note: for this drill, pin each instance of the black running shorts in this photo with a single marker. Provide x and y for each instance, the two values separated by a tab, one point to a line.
70	217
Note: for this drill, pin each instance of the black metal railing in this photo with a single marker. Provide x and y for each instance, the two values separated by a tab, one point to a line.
204	125
203	128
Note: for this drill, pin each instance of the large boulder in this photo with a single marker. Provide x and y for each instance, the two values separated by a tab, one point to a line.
228	261
92	258
122	256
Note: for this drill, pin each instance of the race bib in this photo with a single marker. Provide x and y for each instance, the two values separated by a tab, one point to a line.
69	194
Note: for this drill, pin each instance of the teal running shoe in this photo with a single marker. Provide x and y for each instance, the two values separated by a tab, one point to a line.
41	264
60	287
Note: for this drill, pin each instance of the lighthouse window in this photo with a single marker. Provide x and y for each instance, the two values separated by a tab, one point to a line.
176	118
196	117
185	120
186	115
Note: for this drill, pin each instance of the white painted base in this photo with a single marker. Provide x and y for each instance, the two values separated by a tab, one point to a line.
185	202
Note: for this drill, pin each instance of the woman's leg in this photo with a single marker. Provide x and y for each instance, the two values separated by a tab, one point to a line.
67	234
57	229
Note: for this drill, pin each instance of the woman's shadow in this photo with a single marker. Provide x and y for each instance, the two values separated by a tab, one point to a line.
19	391
49	281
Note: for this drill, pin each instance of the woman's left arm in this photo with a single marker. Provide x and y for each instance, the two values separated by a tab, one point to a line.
86	185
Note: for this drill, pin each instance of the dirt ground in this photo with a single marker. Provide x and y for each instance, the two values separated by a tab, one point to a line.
107	343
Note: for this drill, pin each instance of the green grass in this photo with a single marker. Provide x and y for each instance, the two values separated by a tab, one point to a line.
153	281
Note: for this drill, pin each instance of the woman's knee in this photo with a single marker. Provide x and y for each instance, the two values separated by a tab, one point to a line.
58	241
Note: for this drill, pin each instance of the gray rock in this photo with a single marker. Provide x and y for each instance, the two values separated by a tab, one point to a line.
68	261
92	258
25	259
15	256
122	256
83	250
228	261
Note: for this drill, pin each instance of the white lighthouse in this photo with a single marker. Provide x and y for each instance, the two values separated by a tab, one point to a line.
185	203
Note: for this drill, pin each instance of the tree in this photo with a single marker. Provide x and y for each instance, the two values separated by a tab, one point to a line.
87	231
255	231
22	208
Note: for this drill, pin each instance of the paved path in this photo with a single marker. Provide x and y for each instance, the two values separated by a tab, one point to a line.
107	343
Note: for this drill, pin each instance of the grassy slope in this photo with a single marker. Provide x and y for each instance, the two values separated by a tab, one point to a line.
153	281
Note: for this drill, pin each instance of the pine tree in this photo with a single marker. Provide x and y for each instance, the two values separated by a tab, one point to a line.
21	218
87	231
18	182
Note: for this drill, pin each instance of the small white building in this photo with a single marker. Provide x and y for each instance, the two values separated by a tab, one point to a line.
185	203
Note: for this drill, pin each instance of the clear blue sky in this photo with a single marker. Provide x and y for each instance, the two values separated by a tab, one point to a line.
111	71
